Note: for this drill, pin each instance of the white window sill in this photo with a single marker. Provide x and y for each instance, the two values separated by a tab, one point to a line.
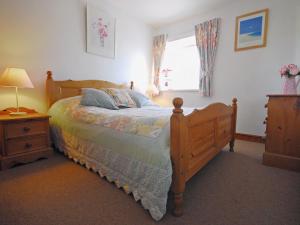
182	90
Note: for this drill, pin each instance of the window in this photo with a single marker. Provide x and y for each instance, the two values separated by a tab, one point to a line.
181	65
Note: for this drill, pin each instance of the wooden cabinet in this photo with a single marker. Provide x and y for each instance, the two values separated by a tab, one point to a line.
283	132
23	139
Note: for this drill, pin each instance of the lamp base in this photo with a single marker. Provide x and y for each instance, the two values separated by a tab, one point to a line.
18	113
7	111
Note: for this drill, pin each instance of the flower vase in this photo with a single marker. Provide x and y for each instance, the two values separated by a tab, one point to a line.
289	86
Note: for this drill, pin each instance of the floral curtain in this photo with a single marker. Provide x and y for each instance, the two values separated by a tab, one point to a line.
207	34
159	45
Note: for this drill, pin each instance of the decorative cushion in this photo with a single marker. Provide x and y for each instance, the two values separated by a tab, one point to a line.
121	97
140	99
99	98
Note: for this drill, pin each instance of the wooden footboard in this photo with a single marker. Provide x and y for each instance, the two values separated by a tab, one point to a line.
196	139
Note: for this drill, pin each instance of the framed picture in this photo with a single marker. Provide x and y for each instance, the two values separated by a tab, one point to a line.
100	28
251	30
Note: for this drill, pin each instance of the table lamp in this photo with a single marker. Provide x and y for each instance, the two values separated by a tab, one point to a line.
18	78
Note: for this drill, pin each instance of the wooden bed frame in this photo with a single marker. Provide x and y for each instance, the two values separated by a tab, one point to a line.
195	139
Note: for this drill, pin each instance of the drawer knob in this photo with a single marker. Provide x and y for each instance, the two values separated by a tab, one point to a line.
26	129
28	145
265	121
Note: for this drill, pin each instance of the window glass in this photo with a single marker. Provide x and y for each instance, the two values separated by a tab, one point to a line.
181	65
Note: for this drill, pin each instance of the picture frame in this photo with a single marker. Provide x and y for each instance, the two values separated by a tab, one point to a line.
100	31
251	30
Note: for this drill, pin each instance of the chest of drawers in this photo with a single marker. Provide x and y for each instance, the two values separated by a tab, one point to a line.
283	132
23	139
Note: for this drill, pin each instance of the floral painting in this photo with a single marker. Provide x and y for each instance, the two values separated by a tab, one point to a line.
100	31
251	30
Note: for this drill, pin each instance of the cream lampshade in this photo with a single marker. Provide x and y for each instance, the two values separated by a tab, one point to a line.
18	78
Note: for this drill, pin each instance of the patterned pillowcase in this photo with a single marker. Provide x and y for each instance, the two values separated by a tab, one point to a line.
121	97
98	98
140	99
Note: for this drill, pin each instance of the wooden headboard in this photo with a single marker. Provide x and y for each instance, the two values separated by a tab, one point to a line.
57	90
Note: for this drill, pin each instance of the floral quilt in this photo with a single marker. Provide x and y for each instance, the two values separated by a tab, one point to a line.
147	121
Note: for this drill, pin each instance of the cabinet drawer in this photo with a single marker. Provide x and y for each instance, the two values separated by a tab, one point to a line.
21	145
18	129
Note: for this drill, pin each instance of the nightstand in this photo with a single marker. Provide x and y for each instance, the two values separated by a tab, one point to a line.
24	139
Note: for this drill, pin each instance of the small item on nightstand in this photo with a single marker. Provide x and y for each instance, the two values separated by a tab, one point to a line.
17	78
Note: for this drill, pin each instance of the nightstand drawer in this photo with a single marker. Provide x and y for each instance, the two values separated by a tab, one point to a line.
21	145
18	129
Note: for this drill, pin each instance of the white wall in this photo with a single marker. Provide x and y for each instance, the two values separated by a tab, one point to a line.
248	75
297	49
39	35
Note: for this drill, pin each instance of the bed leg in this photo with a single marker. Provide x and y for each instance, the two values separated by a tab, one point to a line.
231	145
178	204
234	117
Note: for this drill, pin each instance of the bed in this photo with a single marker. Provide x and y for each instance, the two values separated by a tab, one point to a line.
148	156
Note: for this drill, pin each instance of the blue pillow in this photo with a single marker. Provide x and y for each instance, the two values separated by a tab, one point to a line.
140	99
95	97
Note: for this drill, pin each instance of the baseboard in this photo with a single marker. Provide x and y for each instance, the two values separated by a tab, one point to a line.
281	161
250	137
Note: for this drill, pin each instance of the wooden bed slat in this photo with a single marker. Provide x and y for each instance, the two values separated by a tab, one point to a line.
201	146
199	162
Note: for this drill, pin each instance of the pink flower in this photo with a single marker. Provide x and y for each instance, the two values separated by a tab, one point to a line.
284	70
289	70
293	69
104	34
290	66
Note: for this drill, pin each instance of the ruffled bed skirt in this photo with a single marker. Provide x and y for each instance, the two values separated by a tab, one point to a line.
147	183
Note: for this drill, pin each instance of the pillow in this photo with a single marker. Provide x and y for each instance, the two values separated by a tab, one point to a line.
121	97
140	99
94	97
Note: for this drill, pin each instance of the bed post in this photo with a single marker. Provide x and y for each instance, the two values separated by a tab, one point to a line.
178	155
49	88
234	117
131	85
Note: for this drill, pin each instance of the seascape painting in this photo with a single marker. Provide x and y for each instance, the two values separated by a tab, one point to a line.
100	32
251	30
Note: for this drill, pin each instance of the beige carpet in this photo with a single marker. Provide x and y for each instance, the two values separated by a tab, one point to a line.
234	188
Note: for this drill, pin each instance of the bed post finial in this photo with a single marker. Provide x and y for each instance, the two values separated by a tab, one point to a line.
234	116
177	102
234	101
49	75
49	88
131	85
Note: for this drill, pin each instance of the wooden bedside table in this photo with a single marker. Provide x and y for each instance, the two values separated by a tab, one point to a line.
24	139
